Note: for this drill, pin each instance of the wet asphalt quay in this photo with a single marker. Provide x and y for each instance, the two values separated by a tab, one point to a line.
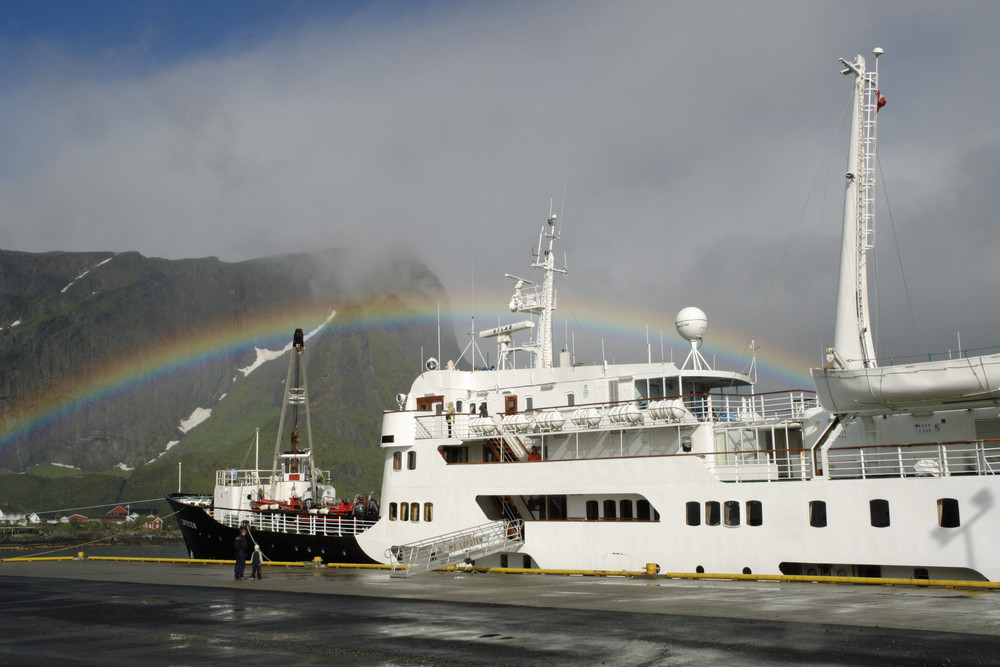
90	612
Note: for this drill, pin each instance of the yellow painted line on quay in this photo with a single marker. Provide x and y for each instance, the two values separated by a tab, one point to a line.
648	574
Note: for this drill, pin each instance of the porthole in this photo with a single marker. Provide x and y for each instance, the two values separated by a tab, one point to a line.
817	513
693	514
732	514
712	513
755	513
879	510
948	516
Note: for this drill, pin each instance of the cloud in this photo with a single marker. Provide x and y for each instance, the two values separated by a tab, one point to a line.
680	142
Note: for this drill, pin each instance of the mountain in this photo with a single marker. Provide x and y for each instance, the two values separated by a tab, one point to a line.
118	367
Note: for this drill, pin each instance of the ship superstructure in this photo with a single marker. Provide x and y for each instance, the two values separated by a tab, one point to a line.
886	472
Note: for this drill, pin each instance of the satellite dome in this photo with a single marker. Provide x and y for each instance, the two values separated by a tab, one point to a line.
692	323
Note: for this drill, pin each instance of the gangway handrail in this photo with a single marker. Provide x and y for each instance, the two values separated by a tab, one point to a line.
455	547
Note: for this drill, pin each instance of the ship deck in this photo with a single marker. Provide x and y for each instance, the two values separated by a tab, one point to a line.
185	613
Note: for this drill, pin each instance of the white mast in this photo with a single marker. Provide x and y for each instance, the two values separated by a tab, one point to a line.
540	300
852	341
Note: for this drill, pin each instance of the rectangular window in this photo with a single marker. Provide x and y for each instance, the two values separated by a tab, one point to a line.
571	399
642	510
397	460
411	460
392	511
693	514
609	509
626	507
732	513
948	513
529	403
428	511
414	511
817	513
592	510
712	513
755	513
404	511
879	509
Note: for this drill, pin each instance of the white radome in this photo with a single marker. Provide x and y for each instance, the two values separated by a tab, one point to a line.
692	323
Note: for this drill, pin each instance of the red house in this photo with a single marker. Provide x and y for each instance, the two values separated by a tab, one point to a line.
117	514
78	518
153	523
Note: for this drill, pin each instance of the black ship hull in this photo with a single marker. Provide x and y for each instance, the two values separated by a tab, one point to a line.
206	538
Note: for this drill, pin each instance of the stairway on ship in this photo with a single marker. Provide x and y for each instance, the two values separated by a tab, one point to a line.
456	547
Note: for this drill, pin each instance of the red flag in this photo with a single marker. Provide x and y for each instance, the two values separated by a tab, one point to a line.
881	101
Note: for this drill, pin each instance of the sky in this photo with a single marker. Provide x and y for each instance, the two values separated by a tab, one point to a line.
694	153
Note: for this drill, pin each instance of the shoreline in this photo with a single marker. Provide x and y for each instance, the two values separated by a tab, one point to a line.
97	538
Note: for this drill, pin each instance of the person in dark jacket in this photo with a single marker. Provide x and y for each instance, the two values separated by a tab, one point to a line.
255	559
240	546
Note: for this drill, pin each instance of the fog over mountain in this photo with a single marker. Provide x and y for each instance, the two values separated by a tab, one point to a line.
694	152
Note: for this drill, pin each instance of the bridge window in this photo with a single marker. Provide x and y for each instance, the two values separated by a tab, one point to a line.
592	510
712	512
609	509
397	460
879	509
428	511
817	513
570	399
732	513
411	460
404	511
755	513
458	406
529	403
948	513
693	514
414	511
626	507
392	511
642	510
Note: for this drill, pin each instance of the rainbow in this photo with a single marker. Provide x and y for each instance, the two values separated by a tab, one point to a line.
617	328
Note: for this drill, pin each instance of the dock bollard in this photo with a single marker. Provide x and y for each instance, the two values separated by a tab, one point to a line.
652	568
80	556
317	561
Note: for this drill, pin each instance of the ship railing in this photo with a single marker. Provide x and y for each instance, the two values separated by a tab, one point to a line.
941	459
771	407
234	477
455	547
297	524
759	465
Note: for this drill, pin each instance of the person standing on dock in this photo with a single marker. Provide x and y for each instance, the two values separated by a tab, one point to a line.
255	559
240	545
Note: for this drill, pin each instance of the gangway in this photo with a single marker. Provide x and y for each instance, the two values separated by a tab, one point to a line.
455	547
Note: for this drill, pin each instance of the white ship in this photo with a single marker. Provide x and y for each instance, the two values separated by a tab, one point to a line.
883	471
